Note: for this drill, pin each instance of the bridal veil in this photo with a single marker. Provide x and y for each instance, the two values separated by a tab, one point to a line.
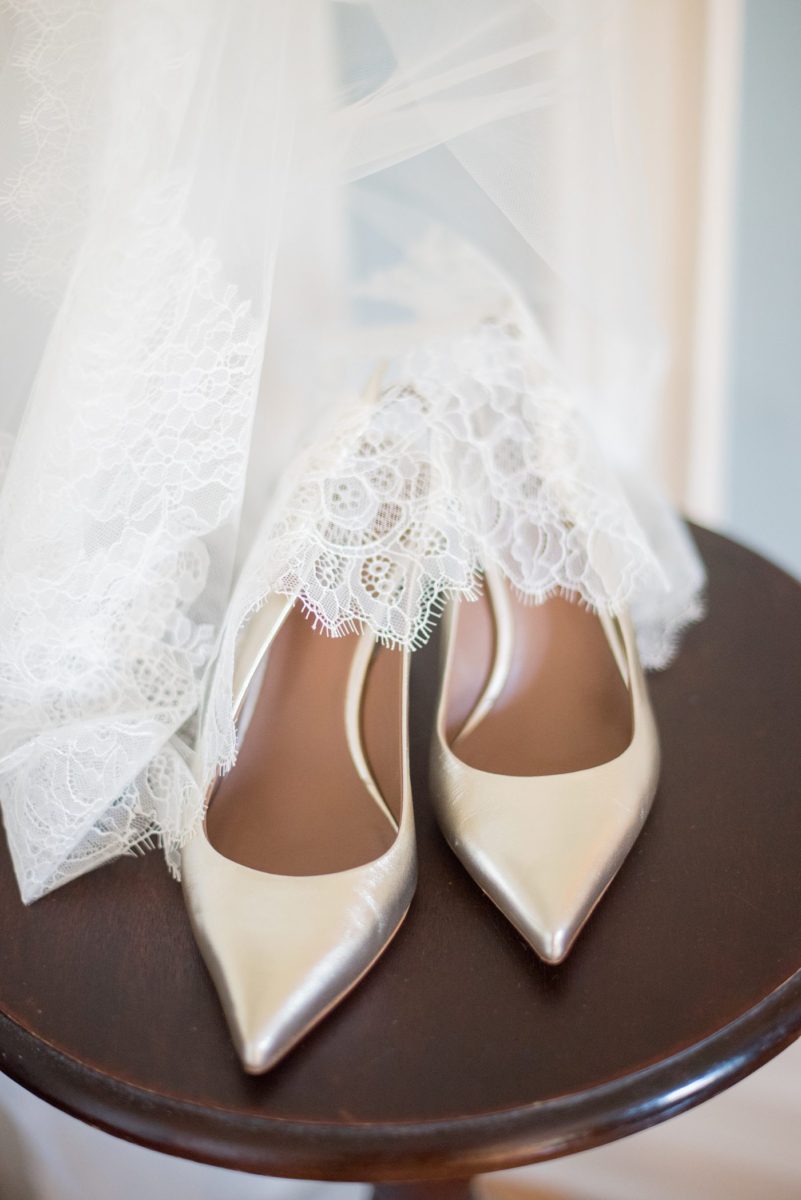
219	218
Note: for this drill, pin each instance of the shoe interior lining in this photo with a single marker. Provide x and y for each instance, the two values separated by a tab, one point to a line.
294	804
564	706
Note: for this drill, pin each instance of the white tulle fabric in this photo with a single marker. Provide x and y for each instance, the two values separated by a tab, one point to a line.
218	217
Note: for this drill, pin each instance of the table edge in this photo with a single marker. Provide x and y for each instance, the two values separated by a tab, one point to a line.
446	1148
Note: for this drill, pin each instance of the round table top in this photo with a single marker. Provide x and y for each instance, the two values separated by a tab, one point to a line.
461	1051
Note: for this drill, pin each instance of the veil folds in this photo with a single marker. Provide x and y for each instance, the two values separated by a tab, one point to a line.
217	216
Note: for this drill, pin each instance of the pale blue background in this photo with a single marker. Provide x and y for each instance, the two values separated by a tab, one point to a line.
763	503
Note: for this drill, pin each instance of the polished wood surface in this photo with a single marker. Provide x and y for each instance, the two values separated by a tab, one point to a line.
461	1051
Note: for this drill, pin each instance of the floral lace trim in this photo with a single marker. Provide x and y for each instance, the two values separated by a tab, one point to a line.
473	456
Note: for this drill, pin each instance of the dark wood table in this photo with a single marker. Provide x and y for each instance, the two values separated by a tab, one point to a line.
462	1052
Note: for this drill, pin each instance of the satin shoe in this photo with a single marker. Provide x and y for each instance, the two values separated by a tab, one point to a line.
546	756
306	864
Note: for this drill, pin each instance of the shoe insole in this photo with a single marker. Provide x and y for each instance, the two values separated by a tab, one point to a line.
293	804
564	706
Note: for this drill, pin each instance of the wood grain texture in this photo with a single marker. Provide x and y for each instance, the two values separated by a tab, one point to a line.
461	1052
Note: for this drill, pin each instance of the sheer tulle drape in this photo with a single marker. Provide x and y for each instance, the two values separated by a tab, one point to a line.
144	211
217	218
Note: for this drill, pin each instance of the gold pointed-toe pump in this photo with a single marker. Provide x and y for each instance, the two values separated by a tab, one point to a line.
306	865
546	756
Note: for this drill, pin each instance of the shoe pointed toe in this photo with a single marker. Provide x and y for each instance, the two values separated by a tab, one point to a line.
549	916
545	852
269	1001
269	1011
284	950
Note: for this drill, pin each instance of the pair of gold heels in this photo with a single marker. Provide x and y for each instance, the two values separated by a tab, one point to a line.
544	767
